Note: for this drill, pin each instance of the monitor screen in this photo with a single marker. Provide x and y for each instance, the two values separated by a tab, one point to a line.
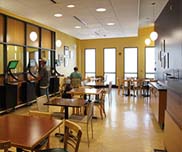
12	64
32	63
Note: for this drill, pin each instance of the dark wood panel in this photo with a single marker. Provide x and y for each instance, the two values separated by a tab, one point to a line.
46	39
1	28
15	31
169	28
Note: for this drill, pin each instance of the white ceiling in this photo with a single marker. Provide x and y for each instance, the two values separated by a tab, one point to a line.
128	15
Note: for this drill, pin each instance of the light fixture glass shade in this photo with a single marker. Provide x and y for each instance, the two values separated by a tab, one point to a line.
33	36
147	41
58	43
153	36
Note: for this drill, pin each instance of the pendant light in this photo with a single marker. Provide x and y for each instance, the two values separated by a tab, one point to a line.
147	42
154	34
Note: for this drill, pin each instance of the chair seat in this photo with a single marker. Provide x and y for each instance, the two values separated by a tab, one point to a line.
54	150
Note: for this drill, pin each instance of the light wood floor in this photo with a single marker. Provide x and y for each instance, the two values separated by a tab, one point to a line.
128	127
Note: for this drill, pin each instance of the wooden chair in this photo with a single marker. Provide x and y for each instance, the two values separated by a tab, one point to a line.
136	85
72	138
44	108
109	91
75	83
85	119
100	103
125	84
5	145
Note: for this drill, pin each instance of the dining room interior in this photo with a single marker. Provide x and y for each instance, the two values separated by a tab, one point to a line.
127	96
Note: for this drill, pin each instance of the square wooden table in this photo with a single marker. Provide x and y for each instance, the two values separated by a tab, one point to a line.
66	103
26	132
87	91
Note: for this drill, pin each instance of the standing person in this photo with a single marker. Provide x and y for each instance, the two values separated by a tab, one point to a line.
43	77
76	78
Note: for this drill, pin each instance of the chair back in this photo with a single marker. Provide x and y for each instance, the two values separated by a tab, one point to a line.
4	145
40	103
72	135
40	114
75	83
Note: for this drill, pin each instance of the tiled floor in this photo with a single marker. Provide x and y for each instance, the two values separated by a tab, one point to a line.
128	127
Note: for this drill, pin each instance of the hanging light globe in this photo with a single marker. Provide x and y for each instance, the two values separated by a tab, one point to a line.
153	36
147	42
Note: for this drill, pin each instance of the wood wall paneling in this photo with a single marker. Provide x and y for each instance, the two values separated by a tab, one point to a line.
1	28
32	28
1	59
169	28
46	39
15	31
172	135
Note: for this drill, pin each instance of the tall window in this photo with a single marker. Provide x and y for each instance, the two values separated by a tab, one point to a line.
89	62
110	65
130	62
149	62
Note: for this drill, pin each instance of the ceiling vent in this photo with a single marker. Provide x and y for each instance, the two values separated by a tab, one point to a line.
53	1
81	21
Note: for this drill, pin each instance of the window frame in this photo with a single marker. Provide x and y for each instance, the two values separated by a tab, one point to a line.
115	63
124	62
85	61
146	59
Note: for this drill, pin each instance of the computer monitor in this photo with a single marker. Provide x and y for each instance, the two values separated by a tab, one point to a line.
12	64
32	63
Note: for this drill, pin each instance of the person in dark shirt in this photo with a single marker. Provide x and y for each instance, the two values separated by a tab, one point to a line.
43	77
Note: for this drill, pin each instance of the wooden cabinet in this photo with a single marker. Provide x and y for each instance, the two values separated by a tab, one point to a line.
172	134
173	118
158	102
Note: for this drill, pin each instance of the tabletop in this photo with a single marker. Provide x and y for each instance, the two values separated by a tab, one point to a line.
26	131
88	91
96	84
66	103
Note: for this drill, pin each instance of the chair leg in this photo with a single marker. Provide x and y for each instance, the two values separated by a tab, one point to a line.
103	108
88	136
92	128
100	108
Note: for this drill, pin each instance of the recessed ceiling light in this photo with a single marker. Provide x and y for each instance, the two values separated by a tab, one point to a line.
77	27
70	6
100	9
111	23
58	15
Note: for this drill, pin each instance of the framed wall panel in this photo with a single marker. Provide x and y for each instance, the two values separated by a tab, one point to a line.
15	31
1	59
1	28
46	39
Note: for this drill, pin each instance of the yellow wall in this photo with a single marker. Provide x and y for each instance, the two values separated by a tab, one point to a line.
119	44
72	44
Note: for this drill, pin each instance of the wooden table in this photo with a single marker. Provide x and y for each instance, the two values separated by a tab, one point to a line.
87	91
96	84
66	103
26	132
